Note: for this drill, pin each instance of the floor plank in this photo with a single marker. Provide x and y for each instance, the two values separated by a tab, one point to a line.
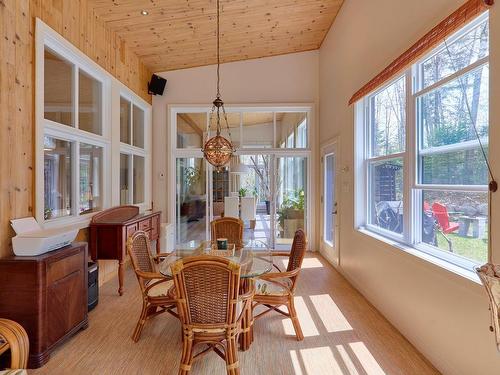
344	334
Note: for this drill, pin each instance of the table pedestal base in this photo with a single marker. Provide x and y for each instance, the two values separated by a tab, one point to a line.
246	335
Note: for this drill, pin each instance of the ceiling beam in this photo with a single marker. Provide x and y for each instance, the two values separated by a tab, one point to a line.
188	120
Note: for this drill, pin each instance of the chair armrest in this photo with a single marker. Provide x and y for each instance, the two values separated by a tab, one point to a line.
247	299
17	340
280	275
151	275
279	253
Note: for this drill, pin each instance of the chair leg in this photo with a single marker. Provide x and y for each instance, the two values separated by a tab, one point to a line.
232	364
295	319
141	322
187	353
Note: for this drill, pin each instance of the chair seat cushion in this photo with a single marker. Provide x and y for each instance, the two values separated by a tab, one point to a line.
160	289
269	288
13	372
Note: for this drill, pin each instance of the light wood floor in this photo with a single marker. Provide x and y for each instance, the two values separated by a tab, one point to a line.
344	334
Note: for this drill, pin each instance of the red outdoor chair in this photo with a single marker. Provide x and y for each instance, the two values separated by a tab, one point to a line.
441	215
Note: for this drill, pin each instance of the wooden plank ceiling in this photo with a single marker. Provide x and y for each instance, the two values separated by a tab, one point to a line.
180	34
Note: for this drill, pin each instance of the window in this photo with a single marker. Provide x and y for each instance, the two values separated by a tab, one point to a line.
424	178
75	142
386	128
291	129
132	152
278	180
82	165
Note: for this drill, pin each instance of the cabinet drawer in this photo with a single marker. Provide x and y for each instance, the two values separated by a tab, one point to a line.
155	226
145	225
131	229
64	267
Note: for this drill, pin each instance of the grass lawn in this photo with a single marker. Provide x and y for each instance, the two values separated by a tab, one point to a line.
468	247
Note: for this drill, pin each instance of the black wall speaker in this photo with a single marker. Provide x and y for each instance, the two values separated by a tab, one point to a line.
157	85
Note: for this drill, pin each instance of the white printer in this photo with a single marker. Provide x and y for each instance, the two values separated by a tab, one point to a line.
32	240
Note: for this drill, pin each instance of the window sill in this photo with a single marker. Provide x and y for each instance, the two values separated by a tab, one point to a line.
79	222
441	263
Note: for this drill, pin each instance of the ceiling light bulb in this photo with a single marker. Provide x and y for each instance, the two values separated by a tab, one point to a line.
144	12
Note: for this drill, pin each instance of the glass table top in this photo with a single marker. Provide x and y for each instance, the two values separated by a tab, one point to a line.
254	257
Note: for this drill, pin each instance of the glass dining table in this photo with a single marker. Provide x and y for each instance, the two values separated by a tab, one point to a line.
254	258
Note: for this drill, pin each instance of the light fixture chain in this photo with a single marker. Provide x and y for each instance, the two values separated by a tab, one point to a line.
218	50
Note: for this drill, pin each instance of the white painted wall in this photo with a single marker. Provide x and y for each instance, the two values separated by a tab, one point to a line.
444	315
286	79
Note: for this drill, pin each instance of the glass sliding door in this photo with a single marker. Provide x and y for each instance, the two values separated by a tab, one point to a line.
255	193
291	199
191	199
265	184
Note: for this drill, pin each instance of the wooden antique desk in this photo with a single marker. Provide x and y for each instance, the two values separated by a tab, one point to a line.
110	230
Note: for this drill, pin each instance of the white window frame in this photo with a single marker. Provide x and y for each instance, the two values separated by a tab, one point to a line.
412	188
112	89
130	150
176	152
48	38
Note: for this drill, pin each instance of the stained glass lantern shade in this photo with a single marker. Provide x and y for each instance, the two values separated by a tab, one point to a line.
218	151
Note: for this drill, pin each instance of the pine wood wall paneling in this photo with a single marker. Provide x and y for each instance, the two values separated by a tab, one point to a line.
78	23
181	34
15	116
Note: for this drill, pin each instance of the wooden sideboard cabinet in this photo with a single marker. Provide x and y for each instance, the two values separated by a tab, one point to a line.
110	229
47	295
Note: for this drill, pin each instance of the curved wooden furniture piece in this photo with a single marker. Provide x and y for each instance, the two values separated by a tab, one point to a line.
156	289
278	288
210	308
13	337
47	295
110	230
230	228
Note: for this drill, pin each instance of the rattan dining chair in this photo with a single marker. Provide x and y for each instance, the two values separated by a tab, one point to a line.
157	290
210	308
230	228
14	338
276	289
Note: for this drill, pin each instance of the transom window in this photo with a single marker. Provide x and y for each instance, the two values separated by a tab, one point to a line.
424	178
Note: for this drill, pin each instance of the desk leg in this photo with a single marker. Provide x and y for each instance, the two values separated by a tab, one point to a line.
246	335
121	271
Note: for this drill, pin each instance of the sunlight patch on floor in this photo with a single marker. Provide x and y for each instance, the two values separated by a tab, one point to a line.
366	359
330	314
306	263
347	360
295	362
320	361
306	321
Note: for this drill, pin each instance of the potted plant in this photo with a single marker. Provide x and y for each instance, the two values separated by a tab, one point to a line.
242	192
291	211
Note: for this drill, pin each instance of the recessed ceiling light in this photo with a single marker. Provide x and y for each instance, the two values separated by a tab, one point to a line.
144	12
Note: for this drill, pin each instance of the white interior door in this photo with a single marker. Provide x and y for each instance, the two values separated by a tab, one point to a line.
329	222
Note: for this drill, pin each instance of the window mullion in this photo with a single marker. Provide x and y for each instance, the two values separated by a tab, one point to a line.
412	213
75	189
76	98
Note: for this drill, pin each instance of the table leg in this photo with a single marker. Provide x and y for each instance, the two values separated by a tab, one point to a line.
121	274
246	335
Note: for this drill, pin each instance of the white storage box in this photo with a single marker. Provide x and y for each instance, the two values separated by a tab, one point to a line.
32	240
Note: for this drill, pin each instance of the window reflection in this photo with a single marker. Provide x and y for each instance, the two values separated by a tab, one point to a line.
57	178
58	89
91	161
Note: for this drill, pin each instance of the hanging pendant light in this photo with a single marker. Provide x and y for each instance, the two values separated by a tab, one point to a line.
218	150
